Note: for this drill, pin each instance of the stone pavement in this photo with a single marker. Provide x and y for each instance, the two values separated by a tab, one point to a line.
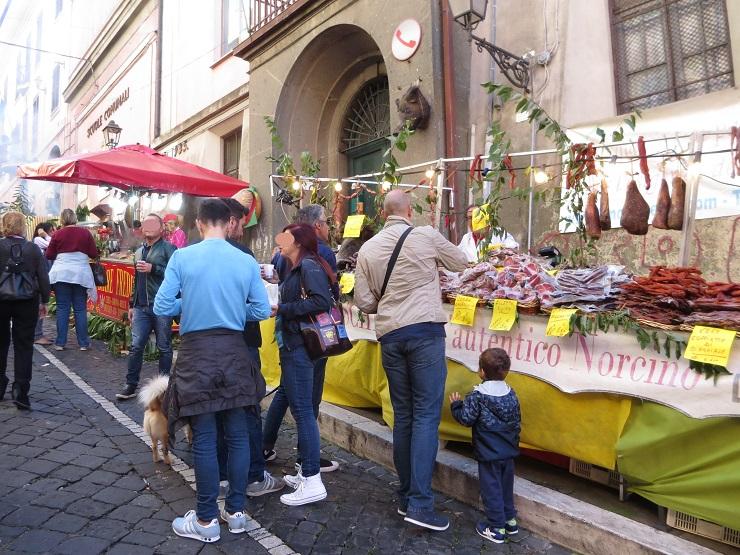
75	478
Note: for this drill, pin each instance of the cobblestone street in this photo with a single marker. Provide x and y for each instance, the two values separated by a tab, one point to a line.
76	478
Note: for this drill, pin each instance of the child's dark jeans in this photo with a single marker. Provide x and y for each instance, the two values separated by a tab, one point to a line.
497	491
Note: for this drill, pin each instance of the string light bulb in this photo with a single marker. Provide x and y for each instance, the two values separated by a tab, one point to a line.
338	186
386	185
541	176
296	185
430	173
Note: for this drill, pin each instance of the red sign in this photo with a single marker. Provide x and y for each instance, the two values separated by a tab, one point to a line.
113	298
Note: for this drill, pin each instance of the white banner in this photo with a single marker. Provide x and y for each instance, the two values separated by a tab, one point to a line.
609	363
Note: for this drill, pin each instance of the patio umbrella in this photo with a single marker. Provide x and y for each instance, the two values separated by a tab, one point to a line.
134	167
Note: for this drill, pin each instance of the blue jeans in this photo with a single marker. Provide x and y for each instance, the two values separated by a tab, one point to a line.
416	370
254	428
71	296
497	491
297	383
144	322
205	461
279	405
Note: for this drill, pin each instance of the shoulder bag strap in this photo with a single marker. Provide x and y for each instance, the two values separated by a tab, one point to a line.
394	258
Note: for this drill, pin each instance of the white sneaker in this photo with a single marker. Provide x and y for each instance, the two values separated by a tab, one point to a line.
309	490
268	484
188	527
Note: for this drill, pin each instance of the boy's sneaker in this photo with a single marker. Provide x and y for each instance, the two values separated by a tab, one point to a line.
512	527
128	392
324	464
309	490
269	454
237	522
268	484
188	527
491	534
428	519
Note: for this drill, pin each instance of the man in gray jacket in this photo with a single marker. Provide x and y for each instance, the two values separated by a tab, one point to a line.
407	299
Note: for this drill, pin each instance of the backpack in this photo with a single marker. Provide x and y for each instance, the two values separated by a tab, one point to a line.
17	284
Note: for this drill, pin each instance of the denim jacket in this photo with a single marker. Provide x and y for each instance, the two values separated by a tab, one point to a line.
158	256
495	416
293	307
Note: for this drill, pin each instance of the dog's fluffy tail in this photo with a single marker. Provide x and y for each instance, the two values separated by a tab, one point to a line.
153	391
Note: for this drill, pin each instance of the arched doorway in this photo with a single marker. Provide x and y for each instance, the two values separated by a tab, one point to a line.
365	136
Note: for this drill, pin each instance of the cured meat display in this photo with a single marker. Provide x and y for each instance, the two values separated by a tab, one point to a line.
678	198
589	289
507	275
727	319
636	212
660	220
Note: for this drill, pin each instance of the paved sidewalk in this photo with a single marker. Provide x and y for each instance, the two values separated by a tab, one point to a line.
76	479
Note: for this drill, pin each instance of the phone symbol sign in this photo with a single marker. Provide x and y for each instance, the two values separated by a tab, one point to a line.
406	39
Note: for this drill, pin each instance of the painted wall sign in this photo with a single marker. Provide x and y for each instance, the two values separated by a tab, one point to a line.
608	363
406	39
109	111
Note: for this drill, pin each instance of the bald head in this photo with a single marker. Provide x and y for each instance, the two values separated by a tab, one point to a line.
397	203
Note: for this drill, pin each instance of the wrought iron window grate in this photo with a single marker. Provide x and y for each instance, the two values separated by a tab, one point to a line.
669	50
368	117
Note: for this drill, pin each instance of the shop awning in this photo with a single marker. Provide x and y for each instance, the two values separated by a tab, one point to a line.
134	167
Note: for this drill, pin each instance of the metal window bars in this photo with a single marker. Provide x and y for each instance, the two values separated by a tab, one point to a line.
669	50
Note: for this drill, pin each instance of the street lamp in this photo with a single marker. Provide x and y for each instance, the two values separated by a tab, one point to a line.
111	134
469	13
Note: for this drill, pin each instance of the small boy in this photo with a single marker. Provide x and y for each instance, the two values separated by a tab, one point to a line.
492	409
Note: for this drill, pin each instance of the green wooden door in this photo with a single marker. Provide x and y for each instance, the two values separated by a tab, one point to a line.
367	158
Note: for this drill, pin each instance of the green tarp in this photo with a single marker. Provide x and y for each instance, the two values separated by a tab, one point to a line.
683	463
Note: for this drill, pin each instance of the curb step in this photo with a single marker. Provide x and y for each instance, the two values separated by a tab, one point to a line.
570	522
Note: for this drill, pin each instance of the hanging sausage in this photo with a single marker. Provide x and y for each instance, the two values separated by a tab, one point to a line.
605	219
660	220
678	200
593	225
636	212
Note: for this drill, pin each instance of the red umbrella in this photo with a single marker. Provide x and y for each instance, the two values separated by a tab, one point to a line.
136	167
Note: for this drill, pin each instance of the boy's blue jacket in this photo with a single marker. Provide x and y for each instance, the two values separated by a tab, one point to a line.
492	409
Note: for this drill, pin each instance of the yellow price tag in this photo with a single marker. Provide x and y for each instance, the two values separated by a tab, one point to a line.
480	218
559	323
347	283
464	311
552	272
710	345
354	225
504	315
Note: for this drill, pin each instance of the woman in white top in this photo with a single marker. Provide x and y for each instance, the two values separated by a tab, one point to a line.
41	238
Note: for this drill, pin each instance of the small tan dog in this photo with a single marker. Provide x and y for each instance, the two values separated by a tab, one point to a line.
155	421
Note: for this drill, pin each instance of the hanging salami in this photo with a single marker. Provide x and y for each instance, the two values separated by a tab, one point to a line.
660	220
605	219
678	200
593	224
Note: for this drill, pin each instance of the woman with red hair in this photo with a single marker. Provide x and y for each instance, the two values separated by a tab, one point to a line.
306	290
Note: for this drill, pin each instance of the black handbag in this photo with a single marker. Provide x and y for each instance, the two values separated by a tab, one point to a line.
99	275
17	284
324	334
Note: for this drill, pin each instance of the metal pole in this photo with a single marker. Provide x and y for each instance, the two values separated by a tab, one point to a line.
530	207
441	176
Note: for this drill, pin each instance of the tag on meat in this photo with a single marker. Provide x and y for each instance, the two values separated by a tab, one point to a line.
636	212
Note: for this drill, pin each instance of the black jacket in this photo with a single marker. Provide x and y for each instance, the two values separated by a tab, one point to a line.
293	307
214	372
33	262
252	332
158	256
